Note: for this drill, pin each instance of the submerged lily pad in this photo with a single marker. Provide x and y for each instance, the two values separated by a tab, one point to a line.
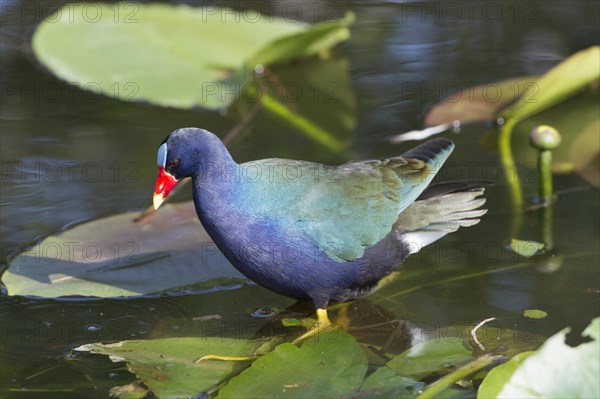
385	382
558	370
333	366
167	366
481	103
116	256
172	55
432	356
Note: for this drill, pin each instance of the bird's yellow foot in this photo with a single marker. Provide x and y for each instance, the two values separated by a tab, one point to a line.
323	324
226	358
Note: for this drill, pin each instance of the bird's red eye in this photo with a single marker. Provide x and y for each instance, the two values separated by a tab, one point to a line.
174	163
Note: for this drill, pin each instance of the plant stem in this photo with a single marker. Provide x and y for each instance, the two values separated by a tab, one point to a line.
512	179
304	125
547	238
545	175
464	371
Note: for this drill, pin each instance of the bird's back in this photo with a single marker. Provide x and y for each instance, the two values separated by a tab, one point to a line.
349	207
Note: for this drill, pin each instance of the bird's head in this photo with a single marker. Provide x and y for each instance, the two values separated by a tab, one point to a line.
183	153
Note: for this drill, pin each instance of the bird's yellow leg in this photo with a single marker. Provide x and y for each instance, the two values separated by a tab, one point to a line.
226	358
323	323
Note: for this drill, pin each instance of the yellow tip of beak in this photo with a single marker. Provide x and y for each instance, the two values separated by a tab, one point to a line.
157	200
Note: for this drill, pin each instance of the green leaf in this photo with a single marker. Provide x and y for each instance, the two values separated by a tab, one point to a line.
290	322
535	313
115	256
167	366
386	383
585	153
559	370
172	55
561	82
494	381
319	37
432	356
526	248
333	366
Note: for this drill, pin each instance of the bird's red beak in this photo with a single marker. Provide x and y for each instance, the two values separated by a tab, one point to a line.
164	184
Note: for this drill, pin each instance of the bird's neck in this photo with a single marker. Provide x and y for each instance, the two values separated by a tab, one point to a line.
214	188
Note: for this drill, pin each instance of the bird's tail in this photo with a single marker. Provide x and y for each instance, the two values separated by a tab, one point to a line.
441	209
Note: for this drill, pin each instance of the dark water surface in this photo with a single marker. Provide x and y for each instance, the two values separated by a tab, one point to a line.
401	58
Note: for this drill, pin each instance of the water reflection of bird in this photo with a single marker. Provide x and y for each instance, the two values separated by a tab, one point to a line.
310	231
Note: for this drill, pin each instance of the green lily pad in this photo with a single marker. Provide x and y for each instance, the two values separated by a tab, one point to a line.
309	41
116	256
333	366
558	370
172	55
291	322
432	356
535	314
167	367
526	248
494	381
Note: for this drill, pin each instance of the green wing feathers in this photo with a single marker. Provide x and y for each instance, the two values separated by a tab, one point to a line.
361	205
348	208
422	164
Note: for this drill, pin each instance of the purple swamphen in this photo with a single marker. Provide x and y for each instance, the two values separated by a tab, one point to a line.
311	231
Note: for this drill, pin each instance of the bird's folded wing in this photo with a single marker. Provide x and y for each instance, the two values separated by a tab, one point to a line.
348	208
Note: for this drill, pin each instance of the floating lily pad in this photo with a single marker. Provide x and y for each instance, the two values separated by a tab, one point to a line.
535	314
116	256
167	366
526	248
172	55
291	322
558	370
333	366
